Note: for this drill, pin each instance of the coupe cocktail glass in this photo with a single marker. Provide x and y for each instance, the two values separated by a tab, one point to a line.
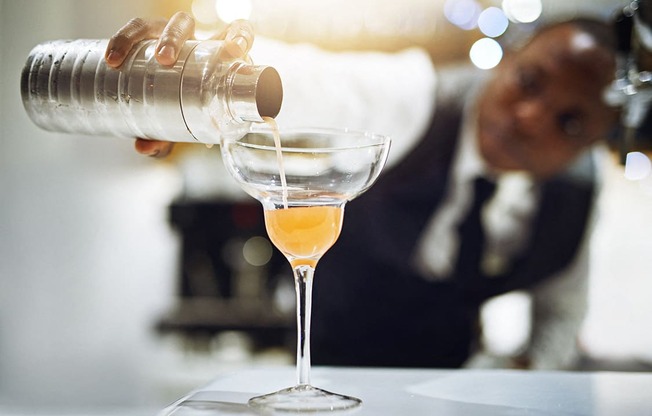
323	170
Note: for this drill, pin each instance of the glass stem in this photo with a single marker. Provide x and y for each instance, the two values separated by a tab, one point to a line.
303	276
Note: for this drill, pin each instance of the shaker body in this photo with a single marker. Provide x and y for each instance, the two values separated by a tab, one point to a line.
67	86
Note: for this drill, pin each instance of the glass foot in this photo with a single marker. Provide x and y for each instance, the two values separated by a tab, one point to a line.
304	398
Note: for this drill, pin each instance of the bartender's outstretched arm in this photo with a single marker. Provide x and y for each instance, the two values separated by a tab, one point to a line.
238	37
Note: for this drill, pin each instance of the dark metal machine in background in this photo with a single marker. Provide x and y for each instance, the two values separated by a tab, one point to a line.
632	88
229	277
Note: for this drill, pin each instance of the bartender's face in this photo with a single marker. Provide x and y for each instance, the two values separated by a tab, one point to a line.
544	105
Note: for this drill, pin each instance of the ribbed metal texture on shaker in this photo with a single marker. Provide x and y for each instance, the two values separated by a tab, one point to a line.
67	86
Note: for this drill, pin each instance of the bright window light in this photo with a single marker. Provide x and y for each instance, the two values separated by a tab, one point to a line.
204	11
230	10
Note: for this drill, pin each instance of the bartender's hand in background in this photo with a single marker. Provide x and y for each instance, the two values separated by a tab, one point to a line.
171	34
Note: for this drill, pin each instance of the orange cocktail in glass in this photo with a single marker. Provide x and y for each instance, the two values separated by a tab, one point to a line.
304	178
304	234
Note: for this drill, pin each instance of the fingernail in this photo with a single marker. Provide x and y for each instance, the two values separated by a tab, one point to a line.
167	52
242	43
236	47
114	56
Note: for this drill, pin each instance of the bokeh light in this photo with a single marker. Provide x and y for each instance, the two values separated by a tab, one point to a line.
486	53
637	166
462	13
257	251
230	10
204	11
522	11
492	22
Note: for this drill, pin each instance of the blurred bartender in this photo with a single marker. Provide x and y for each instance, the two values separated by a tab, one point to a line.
490	189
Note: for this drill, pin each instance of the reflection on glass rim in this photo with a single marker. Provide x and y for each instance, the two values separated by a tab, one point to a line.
286	134
285	149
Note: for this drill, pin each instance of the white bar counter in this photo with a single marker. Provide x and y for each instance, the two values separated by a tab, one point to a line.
417	392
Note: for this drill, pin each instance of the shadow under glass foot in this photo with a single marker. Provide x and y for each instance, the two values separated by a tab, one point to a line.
304	398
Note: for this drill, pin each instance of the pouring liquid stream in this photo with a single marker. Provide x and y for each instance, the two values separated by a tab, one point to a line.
279	157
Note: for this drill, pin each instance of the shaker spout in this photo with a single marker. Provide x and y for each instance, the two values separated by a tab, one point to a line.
256	92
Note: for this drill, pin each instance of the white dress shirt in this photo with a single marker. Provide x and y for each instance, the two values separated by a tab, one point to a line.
556	307
507	217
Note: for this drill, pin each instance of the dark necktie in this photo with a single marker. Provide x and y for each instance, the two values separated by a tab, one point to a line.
471	232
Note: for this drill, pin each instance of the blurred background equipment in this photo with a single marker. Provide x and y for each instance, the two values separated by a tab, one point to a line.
99	307
632	89
231	277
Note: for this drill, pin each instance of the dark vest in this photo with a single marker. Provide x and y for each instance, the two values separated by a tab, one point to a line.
371	308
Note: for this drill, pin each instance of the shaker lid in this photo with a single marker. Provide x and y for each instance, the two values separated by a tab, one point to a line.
256	92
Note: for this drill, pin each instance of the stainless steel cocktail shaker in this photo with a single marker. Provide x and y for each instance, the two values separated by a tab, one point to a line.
66	86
